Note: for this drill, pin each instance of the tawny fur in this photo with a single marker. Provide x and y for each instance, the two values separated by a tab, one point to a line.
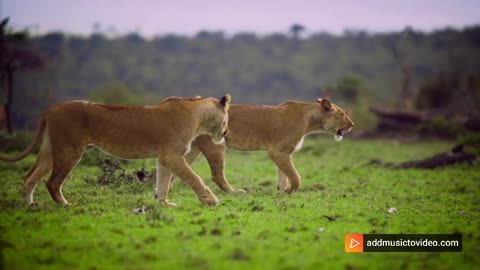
164	131
279	130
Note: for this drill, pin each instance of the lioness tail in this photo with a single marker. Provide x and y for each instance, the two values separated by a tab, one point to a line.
31	147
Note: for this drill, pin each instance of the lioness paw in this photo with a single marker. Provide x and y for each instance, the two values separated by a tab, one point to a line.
239	191
210	201
207	197
290	190
168	204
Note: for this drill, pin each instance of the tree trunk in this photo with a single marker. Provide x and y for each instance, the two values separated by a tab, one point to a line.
8	104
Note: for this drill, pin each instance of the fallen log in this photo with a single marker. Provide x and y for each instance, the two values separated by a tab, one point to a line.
439	160
405	117
390	120
423	123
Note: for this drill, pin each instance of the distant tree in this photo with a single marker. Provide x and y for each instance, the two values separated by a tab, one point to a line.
451	93
352	93
254	68
97	27
116	93
296	30
244	37
349	88
16	55
215	39
170	43
51	43
98	40
134	39
406	90
473	33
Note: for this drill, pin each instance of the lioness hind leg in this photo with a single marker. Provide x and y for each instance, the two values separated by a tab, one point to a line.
164	178
63	164
42	166
284	162
179	166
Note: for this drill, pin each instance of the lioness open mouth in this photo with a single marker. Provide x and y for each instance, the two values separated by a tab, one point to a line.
340	132
339	135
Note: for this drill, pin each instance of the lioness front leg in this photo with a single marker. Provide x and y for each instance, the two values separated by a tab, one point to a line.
284	162
216	161
281	180
178	166
164	177
190	157
215	155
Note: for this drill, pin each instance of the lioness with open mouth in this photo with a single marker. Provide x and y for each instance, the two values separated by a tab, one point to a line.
280	130
163	131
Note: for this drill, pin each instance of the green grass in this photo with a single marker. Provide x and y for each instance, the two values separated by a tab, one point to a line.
260	230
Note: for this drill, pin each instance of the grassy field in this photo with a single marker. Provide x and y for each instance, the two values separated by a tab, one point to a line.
260	230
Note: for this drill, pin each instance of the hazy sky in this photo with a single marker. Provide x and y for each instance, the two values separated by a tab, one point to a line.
261	16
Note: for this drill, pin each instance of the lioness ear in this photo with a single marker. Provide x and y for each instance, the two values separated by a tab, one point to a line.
225	101
197	96
326	105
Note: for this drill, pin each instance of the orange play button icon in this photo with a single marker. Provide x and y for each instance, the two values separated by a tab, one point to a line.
354	243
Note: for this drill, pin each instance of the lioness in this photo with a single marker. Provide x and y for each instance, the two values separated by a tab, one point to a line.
280	130
164	131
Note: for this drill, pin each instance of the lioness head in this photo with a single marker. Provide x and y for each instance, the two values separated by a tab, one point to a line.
216	124
335	119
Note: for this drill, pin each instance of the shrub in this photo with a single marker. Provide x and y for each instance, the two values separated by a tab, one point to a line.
441	127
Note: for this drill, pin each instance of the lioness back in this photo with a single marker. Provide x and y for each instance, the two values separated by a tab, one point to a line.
126	132
257	127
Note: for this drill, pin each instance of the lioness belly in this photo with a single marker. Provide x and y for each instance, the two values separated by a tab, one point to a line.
246	144
125	151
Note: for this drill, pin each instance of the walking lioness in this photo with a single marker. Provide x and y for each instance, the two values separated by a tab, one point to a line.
280	130
164	131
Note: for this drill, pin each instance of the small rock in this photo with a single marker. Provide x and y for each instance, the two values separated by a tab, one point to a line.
216	231
392	210
319	230
140	210
331	218
462	212
141	175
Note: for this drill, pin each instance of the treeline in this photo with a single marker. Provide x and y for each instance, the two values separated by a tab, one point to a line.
384	67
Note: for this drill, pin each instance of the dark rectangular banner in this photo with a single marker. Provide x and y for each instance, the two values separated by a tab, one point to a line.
403	242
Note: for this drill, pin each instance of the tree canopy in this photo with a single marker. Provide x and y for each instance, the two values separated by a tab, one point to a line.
265	69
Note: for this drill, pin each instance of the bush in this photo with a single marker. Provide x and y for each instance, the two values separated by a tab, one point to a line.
441	127
116	93
92	155
112	173
452	92
349	88
471	141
